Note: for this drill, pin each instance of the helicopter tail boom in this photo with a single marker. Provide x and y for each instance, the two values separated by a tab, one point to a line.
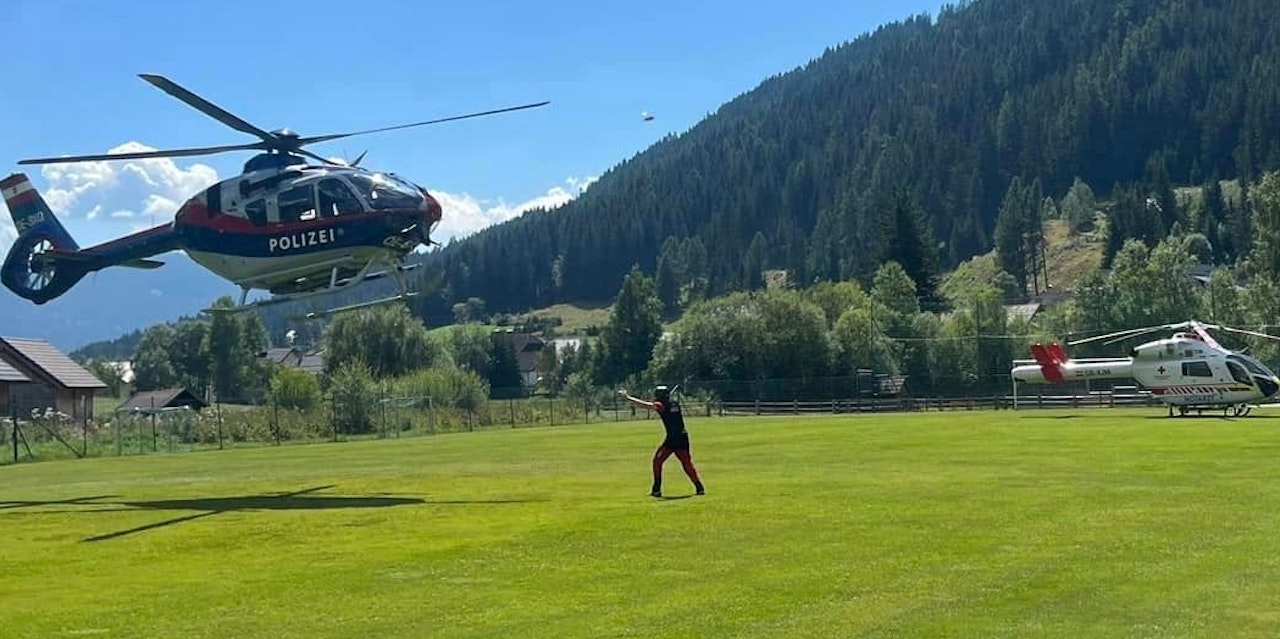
1053	366
46	261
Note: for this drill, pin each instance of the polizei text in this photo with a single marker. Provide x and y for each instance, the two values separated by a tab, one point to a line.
300	240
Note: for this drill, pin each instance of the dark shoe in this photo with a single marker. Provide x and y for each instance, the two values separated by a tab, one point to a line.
655	493
701	490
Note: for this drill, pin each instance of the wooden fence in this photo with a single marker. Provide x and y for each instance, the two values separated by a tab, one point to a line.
1095	399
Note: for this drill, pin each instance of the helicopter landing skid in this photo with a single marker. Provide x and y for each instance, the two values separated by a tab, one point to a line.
1228	410
352	307
334	285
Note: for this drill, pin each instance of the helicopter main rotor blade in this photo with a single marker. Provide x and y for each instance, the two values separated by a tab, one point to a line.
1118	335
1245	332
204	106
336	136
137	155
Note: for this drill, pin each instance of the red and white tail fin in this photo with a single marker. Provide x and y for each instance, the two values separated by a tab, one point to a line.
1050	358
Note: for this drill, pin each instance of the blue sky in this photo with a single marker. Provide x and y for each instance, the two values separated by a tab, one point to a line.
323	66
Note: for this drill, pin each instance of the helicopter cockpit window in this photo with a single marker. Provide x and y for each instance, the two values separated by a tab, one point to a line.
1238	373
297	204
336	198
1196	369
1252	365
256	211
385	191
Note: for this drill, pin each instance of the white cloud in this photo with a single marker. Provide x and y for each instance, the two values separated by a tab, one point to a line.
7	233
152	188
465	214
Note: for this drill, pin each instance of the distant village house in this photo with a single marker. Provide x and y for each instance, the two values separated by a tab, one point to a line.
159	401
527	348
52	380
292	357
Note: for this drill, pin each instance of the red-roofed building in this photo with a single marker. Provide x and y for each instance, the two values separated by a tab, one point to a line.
55	380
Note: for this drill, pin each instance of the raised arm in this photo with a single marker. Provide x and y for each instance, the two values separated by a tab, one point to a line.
622	392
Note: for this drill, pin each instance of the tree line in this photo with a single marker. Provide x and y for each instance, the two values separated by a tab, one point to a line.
908	137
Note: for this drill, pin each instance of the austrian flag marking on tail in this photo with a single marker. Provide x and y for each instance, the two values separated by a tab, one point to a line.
15	187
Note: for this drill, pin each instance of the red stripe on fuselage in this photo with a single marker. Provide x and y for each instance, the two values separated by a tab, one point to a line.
13	180
195	216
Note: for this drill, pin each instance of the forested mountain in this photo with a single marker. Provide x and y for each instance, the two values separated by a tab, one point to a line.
904	144
904	135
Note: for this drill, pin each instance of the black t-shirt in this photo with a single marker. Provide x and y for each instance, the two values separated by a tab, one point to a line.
672	421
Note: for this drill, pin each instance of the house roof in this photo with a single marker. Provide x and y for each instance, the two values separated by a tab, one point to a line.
11	374
41	357
1025	312
294	358
527	347
147	401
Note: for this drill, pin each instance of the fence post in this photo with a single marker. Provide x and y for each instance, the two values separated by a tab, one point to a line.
551	410
217	403
383	434
511	403
431	414
85	424
757	407
795	406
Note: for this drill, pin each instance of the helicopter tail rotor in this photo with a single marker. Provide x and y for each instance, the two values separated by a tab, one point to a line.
32	269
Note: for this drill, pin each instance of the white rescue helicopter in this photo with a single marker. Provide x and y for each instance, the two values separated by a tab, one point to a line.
1188	371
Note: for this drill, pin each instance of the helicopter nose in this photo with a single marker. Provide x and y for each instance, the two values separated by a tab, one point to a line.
1268	385
431	208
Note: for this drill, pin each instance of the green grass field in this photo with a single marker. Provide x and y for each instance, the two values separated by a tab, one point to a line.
1095	523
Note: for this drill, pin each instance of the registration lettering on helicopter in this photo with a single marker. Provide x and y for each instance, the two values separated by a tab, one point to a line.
304	239
23	223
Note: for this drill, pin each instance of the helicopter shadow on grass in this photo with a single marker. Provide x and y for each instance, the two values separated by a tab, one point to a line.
74	501
305	499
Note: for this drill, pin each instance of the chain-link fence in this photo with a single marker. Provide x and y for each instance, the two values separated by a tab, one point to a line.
334	418
378	416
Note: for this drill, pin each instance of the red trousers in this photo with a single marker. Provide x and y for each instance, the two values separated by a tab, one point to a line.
660	457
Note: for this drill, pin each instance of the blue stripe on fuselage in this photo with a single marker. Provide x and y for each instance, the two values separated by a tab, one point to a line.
143	244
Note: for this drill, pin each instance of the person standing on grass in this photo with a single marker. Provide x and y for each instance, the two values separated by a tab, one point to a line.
677	439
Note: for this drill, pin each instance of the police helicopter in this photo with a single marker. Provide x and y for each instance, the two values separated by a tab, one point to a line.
286	226
1188	371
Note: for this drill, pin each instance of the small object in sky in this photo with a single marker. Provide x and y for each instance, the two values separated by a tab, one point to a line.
646	115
